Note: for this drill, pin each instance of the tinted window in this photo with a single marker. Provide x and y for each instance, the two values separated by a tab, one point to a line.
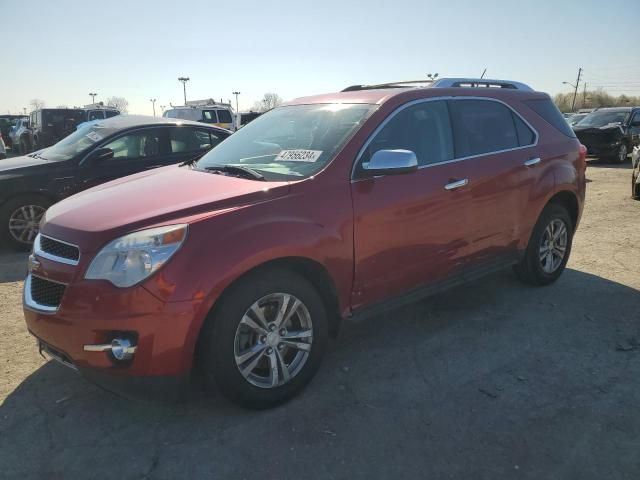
548	111
526	136
184	139
424	129
482	126
141	144
112	113
95	115
209	116
224	116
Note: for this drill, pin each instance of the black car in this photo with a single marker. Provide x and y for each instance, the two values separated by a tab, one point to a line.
610	133
97	152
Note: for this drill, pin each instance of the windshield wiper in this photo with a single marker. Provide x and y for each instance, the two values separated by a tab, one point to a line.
238	170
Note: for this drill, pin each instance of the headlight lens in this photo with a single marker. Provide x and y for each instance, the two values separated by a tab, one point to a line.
130	259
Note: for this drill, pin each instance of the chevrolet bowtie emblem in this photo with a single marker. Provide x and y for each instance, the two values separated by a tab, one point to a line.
33	263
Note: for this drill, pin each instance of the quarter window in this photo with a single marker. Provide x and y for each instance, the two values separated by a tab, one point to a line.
482	126
525	134
423	128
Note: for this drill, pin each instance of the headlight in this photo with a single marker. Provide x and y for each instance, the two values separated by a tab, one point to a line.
130	259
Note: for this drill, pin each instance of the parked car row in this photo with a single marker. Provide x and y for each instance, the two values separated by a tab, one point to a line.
246	259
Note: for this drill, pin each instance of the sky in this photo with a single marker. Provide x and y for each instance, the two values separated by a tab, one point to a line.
62	50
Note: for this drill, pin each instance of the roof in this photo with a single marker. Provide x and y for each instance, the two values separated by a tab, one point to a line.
127	121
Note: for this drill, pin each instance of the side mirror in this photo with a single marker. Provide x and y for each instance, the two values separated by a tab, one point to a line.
391	162
100	154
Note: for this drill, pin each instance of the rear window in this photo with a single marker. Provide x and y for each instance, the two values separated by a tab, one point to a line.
549	112
224	116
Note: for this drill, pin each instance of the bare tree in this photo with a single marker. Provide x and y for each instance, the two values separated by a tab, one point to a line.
594	99
120	103
37	103
269	101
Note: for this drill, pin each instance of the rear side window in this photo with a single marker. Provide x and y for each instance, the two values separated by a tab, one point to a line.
482	126
224	116
549	112
424	129
186	139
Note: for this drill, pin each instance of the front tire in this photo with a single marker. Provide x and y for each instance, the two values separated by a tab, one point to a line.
549	247
265	340
635	187
20	220
621	155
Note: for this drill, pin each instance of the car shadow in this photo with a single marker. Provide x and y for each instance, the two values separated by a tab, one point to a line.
508	374
13	265
599	163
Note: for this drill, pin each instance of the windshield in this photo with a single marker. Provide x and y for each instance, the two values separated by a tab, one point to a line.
291	142
602	118
83	138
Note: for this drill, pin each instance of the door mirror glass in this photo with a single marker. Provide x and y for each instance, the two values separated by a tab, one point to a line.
391	162
100	154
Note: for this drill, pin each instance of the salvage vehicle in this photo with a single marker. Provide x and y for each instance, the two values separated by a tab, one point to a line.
610	133
97	152
329	207
205	111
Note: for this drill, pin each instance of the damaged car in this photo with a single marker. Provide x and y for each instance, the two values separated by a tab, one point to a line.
610	133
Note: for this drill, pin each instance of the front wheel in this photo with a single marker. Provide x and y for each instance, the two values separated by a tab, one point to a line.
265	340
621	156
20	220
549	247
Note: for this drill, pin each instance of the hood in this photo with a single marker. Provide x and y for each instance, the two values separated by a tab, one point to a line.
161	196
16	164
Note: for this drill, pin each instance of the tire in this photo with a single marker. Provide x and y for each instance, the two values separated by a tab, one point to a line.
535	270
635	188
227	337
29	207
621	154
24	147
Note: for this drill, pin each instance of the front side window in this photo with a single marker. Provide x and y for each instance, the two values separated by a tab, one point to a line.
140	144
187	139
224	116
423	128
209	116
291	142
482	126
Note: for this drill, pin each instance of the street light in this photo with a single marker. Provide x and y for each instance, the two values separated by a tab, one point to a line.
153	102
184	81
236	94
432	76
93	97
163	107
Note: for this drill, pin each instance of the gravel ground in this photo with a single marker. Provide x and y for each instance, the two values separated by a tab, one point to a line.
491	380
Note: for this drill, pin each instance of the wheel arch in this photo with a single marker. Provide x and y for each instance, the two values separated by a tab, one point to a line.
568	200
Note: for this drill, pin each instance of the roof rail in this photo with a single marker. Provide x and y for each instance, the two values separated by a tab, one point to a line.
479	83
401	84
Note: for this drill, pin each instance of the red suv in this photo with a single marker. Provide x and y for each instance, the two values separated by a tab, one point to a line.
244	262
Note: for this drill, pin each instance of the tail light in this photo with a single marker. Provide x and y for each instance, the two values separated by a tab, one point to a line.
583	156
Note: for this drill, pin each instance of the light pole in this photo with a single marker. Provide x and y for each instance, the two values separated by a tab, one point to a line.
93	97
236	94
184	81
153	102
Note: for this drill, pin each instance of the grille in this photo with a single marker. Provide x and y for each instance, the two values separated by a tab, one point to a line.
59	249
46	293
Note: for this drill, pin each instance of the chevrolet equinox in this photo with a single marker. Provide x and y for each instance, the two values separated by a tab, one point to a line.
246	261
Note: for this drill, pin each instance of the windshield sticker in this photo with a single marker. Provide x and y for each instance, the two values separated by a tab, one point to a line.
298	156
93	136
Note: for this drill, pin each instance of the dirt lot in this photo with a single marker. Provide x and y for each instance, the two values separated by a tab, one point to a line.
491	380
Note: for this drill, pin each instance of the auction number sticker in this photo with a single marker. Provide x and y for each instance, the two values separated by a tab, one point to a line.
94	136
298	156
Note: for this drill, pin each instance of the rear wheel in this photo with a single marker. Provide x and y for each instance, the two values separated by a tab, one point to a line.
549	247
266	339
20	220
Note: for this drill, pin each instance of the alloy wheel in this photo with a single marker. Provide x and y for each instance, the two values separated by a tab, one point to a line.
553	246
273	340
24	223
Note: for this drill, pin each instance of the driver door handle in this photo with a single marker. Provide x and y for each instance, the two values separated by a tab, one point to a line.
531	162
456	184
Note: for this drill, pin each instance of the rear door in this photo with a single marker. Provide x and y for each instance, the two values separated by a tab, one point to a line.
492	145
407	228
133	151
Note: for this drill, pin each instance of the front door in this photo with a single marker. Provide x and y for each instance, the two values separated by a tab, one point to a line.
407	229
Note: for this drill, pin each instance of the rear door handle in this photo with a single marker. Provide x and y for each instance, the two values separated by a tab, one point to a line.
456	184
531	162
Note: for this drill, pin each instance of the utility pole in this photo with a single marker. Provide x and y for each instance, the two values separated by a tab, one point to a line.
184	81
575	92
153	102
483	72
93	97
236	94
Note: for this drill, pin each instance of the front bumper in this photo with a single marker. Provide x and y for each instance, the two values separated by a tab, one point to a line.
94	312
